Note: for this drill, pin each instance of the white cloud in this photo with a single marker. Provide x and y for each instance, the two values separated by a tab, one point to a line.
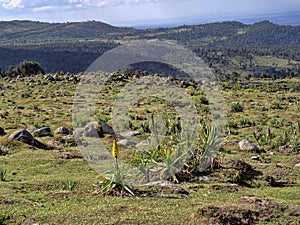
138	11
42	5
12	4
43	8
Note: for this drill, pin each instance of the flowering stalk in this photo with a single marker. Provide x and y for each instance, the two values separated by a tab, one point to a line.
115	152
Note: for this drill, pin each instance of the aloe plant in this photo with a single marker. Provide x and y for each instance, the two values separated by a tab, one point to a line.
3	174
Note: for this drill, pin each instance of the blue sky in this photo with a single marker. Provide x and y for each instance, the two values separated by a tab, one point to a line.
136	12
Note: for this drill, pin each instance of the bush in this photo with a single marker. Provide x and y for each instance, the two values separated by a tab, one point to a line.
25	68
237	107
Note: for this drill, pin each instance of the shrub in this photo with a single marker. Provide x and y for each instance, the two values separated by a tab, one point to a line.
236	107
3	174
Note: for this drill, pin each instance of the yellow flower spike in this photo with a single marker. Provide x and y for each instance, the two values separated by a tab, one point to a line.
115	150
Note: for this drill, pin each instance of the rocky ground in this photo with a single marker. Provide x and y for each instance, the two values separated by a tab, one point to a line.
254	178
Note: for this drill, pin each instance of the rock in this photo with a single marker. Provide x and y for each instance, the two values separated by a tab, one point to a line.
2	132
256	104
245	145
92	129
32	222
285	147
43	132
106	129
71	156
132	134
166	186
70	140
62	131
255	158
55	143
95	129
297	165
3	151
207	162
126	142
144	143
25	137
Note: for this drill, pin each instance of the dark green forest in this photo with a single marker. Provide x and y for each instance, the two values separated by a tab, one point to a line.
262	49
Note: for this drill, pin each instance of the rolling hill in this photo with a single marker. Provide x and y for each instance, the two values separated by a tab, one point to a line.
74	46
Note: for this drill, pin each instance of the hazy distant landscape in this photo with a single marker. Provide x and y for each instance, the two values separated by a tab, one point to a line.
290	18
51	44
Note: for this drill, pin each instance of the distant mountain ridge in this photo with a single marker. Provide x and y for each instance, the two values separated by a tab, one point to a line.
291	18
73	46
21	31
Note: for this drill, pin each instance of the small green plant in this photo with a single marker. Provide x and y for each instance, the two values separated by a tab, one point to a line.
38	125
244	122
116	184
276	105
236	107
69	185
295	142
3	174
208	147
264	139
232	124
171	164
5	217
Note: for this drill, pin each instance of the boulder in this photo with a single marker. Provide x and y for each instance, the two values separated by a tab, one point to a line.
92	129
132	133
95	129
55	143
246	145
106	129
43	132
62	131
2	132
126	142
70	140
25	137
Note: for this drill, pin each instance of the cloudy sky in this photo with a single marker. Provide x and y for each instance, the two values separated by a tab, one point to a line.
135	12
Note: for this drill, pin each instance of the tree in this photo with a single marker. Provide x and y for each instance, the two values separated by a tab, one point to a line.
12	71
30	68
25	68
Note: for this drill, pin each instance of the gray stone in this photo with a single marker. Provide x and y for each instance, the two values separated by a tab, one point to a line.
106	129
143	143
92	129
255	158
246	145
126	142
55	143
62	131
206	163
43	132
132	134
297	165
3	151
166	186
25	137
95	129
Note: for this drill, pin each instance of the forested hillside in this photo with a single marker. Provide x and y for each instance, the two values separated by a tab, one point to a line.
227	47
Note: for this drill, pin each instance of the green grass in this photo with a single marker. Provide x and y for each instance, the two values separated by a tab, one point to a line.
42	185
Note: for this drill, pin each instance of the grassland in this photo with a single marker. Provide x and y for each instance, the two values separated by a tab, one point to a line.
47	187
